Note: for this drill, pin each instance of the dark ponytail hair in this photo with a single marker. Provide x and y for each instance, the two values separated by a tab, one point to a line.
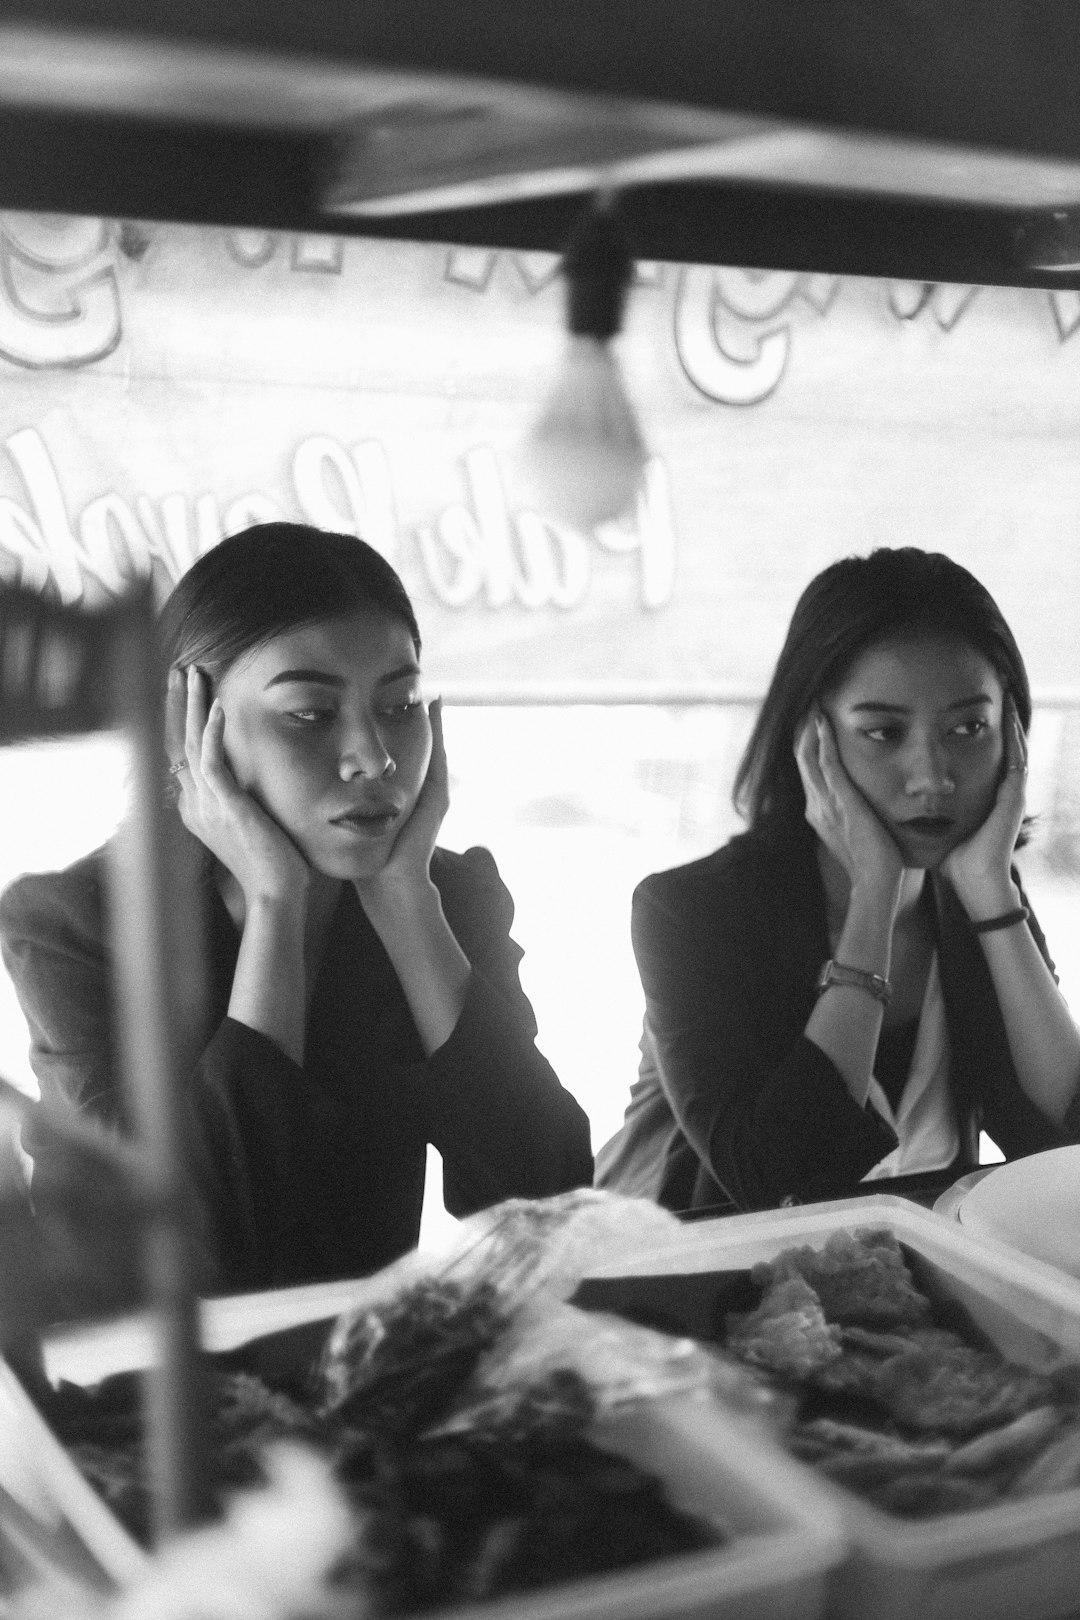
845	609
270	578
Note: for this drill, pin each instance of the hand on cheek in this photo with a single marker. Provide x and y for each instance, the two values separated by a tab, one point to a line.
410	858
979	868
212	805
838	812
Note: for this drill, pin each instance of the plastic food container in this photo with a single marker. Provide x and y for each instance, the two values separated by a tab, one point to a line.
785	1543
51	1522
1002	1562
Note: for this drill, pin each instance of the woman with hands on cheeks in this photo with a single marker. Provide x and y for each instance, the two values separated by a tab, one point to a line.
855	987
364	997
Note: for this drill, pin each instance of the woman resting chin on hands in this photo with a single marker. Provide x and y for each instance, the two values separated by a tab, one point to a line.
855	987
364	998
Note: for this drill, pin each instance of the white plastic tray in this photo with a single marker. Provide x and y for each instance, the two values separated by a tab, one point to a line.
786	1542
51	1522
1013	1561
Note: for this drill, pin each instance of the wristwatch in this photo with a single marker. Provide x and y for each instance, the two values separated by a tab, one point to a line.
840	973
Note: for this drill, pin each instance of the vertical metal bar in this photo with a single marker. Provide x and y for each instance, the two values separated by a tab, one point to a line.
154	937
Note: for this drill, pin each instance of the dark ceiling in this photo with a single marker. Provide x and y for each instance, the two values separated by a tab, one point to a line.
920	139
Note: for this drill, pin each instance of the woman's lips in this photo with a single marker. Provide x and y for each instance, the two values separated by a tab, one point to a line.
367	823
928	826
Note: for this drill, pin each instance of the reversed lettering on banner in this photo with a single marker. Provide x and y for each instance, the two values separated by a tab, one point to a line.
168	385
475	552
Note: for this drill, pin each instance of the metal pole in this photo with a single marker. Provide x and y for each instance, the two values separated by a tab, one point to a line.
155	935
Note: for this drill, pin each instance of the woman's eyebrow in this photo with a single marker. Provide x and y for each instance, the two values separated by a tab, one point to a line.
399	674
900	708
321	677
317	677
976	697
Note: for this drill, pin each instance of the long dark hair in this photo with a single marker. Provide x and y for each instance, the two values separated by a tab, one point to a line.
270	578
845	609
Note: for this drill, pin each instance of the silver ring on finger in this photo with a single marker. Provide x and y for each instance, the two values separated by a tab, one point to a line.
178	766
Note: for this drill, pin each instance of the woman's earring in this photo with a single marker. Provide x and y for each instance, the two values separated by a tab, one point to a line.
390	767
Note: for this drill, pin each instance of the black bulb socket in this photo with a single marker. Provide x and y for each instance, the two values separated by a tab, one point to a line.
599	267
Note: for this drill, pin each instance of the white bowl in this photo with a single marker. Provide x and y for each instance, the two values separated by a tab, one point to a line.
1033	1204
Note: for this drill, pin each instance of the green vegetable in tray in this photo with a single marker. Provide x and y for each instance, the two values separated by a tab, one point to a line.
465	1517
511	1502
396	1368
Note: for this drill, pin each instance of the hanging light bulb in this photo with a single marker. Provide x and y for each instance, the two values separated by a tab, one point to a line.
583	461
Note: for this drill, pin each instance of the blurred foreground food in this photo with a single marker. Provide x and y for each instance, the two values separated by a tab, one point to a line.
458	1487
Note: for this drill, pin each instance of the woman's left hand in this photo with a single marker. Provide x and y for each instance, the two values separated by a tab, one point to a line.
404	907
407	869
979	868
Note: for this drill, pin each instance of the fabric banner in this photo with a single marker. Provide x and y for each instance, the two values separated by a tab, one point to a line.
165	385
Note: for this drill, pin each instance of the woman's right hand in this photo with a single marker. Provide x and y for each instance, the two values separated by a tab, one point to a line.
250	844
840	815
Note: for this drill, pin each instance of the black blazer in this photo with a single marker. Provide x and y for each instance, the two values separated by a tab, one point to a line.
732	1101
314	1172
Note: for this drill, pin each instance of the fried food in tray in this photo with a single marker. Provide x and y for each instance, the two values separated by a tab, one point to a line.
898	1399
860	1277
788	1334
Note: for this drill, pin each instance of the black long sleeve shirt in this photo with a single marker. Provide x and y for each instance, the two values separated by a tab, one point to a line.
733	1102
312	1172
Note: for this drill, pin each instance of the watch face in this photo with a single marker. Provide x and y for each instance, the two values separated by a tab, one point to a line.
837	973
